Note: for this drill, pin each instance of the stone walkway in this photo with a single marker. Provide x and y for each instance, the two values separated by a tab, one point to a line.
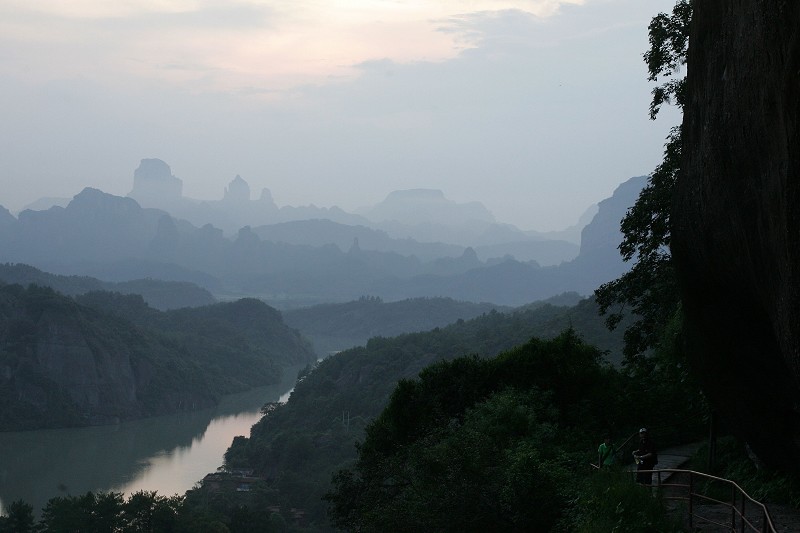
677	456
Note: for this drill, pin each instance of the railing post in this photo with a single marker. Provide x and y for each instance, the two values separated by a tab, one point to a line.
712	441
733	507
691	493
741	527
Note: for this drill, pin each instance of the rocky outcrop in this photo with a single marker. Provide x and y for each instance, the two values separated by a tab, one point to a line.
736	220
600	238
154	185
238	191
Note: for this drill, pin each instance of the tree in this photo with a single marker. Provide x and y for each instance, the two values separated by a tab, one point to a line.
649	289
101	512
19	518
146	511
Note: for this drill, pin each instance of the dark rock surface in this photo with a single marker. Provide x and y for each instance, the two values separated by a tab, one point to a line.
736	233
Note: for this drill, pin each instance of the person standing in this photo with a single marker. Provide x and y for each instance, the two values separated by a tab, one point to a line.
606	453
646	458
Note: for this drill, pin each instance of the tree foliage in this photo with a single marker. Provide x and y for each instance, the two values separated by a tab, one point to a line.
649	289
470	444
18	519
669	41
141	512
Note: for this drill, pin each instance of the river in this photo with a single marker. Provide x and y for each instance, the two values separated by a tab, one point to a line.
168	454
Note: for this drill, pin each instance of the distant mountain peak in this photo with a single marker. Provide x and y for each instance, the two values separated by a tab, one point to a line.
237	190
428	206
153	183
470	254
266	197
96	200
597	235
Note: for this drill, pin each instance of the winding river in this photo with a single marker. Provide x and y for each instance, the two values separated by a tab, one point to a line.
168	454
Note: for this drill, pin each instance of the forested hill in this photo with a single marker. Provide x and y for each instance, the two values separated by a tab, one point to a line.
246	329
302	443
109	357
482	444
334	327
157	293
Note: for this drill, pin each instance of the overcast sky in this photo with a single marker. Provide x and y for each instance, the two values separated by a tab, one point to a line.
537	108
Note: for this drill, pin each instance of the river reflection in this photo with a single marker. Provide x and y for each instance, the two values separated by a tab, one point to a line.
168	453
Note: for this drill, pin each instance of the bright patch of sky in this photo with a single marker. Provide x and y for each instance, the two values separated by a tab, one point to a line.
537	108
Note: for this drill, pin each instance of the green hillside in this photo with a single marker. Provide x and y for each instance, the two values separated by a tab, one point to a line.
301	444
107	357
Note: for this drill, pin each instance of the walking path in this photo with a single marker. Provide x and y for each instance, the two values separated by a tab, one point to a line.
786	519
677	456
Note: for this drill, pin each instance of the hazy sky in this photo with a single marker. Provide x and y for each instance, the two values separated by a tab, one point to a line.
537	108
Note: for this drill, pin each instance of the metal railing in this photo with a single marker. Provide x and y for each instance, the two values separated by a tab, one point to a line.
744	516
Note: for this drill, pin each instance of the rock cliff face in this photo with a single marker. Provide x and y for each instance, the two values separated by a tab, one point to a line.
736	221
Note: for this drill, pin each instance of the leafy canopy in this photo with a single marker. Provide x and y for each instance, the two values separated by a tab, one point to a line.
649	289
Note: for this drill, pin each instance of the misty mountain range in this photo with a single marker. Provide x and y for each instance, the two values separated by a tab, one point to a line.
423	215
338	257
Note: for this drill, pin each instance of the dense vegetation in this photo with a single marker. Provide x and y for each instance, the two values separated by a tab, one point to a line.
473	442
734	461
107	513
486	444
245	340
110	357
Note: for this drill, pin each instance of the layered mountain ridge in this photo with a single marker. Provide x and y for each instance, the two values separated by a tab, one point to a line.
115	239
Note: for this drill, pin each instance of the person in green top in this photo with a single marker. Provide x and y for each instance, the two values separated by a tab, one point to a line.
606	453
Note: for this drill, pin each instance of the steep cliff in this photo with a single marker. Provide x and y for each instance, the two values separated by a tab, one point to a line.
736	220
